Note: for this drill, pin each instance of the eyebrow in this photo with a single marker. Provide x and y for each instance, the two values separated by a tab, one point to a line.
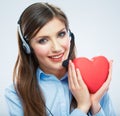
61	30
41	36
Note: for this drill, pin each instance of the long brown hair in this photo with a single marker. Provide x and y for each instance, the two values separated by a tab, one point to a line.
31	21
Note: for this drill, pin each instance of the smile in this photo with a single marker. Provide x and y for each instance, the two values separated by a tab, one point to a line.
56	58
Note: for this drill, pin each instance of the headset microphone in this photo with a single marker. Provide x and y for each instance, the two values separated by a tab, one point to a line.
25	45
65	62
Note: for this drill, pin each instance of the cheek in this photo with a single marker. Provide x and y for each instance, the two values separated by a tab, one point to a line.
41	51
66	44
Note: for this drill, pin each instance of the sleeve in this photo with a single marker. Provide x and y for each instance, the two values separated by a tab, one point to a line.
77	112
13	102
106	107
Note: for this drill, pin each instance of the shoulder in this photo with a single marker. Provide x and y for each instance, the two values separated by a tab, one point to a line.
10	90
105	97
107	106
11	95
106	100
13	101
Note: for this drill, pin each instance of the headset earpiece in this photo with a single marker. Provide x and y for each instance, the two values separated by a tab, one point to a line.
25	45
71	35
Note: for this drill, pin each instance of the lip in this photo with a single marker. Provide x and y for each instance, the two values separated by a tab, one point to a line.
57	57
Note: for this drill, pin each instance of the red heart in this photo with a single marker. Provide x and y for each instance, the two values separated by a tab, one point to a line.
94	72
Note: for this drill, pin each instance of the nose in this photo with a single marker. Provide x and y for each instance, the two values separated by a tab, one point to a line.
56	46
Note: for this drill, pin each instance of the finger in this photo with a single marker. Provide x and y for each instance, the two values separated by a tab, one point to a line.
70	76
110	72
104	88
73	75
107	82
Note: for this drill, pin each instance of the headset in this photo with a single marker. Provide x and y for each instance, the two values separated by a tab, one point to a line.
25	45
27	48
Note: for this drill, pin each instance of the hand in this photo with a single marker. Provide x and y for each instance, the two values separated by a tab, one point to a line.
95	98
78	88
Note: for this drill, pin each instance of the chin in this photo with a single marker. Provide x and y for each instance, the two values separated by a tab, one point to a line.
59	66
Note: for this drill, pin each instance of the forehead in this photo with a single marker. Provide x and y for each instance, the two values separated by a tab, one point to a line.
52	26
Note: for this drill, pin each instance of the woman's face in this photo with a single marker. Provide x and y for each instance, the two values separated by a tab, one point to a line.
51	46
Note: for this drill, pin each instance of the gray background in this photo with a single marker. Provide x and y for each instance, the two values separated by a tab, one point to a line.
96	24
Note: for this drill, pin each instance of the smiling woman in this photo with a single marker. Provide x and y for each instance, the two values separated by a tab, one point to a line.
40	81
51	47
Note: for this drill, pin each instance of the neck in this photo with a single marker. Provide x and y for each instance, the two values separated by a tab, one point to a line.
58	73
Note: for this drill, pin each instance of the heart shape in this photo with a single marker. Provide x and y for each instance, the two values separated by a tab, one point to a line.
94	72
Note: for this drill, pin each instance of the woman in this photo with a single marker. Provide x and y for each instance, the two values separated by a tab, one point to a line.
42	85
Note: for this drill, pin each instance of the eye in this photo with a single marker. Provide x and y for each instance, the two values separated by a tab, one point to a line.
62	34
42	40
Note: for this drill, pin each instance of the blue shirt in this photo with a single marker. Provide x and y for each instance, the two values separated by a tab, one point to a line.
57	96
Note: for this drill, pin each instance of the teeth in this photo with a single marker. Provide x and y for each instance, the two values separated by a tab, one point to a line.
56	56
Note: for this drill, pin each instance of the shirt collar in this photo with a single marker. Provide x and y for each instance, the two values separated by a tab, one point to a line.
43	76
